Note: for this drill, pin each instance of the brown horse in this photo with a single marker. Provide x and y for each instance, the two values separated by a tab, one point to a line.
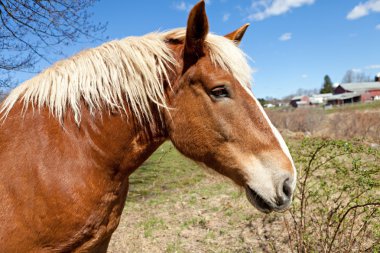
71	136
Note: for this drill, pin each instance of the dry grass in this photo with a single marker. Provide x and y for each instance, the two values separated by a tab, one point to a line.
299	120
342	124
357	124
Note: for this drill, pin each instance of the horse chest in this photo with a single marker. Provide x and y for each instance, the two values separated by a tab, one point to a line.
95	235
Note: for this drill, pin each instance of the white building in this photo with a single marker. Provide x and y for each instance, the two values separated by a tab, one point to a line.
319	99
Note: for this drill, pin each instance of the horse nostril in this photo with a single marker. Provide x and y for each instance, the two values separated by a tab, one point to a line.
285	194
287	189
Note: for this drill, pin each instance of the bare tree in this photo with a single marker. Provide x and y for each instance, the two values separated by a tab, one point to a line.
33	30
352	76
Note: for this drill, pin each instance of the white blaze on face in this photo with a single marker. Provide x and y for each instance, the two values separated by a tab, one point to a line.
260	171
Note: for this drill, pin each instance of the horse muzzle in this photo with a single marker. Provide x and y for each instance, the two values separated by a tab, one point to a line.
279	203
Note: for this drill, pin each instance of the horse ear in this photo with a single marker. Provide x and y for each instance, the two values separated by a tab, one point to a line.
196	32
238	34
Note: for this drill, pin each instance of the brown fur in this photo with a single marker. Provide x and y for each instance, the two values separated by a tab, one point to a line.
63	187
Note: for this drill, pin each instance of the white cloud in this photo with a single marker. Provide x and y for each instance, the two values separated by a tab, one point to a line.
226	17
357	70
304	76
184	6
375	66
364	9
181	6
285	37
377	27
357	12
263	9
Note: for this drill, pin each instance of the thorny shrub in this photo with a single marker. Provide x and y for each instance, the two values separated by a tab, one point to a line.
336	207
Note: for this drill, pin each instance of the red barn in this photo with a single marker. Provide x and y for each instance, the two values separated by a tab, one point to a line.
300	101
368	90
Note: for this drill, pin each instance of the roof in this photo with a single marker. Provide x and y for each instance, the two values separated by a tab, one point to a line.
298	97
344	96
302	103
324	95
360	87
317	100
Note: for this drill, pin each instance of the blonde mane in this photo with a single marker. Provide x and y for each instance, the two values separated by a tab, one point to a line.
128	71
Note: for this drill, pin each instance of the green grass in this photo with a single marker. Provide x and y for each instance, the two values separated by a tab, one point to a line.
174	247
375	105
152	224
164	172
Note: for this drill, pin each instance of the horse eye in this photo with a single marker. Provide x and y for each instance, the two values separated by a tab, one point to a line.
220	92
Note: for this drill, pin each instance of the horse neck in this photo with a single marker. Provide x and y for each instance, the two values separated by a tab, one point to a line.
118	142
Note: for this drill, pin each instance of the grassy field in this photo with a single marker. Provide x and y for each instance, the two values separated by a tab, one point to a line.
375	105
175	206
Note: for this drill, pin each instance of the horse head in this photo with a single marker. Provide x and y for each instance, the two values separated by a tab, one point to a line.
215	119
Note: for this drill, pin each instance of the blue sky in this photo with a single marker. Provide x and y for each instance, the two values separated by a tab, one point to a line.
292	43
